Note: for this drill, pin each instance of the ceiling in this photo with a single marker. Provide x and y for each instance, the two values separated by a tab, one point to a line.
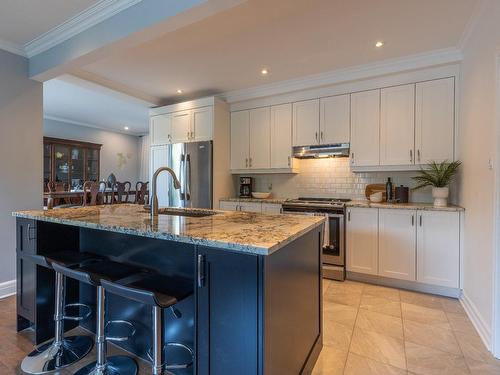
75	101
292	38
21	21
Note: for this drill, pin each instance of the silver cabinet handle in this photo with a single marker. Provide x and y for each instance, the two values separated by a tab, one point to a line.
420	220
188	133
246	162
352	157
349	215
418	155
192	135
316	135
30	232
321	135
289	161
250	162
411	156
412	220
201	271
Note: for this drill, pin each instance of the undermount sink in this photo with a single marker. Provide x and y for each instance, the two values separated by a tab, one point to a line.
189	212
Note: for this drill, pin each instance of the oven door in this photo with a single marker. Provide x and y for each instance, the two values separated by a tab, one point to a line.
334	250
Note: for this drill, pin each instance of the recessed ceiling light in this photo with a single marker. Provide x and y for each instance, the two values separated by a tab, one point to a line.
125	127
264	72
379	44
179	91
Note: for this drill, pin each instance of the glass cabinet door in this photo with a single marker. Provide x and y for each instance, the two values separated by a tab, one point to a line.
77	168
47	165
92	164
62	163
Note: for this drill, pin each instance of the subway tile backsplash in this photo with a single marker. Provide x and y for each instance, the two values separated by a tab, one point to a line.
332	177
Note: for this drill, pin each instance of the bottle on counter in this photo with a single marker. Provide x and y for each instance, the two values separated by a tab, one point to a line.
388	189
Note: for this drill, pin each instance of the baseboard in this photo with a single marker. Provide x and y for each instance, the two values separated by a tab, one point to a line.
477	320
7	288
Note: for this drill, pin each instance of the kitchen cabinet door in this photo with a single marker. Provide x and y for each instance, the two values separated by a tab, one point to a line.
365	125
228	206
435	120
396	243
306	122
159	158
271	208
240	134
250	207
202	125
334	125
397	125
161	127
438	248
260	138
362	240
281	136
181	126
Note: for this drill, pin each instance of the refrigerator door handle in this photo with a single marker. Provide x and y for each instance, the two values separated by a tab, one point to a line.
181	177
188	177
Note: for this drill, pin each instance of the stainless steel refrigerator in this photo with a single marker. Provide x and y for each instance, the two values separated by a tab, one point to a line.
192	163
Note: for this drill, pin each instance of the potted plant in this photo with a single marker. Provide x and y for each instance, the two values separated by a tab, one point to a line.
439	176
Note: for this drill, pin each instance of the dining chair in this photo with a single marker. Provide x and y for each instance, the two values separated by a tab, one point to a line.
120	192
141	192
91	193
55	186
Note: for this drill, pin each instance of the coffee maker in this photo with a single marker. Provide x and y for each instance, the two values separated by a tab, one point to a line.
246	187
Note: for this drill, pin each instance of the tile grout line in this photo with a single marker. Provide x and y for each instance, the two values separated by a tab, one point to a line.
353	328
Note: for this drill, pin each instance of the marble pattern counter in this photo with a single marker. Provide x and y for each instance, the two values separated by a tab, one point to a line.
406	206
237	231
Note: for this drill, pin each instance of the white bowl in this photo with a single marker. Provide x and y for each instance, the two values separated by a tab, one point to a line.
376	197
260	195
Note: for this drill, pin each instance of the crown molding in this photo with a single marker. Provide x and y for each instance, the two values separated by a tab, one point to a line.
12	48
91	16
366	71
89	125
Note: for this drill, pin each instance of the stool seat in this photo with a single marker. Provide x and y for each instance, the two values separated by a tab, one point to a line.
153	289
94	273
65	258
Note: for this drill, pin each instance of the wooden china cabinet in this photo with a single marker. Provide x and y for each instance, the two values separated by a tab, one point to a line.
69	161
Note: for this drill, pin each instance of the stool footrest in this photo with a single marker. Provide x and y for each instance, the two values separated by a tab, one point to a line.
175	366
119	323
85	315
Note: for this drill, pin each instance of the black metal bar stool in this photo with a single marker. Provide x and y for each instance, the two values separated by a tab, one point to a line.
62	351
94	274
160	292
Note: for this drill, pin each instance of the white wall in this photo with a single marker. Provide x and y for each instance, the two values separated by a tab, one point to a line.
20	155
477	146
113	144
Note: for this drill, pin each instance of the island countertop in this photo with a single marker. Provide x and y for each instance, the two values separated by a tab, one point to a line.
245	232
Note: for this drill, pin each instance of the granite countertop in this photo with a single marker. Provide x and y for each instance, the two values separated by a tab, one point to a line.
408	206
237	231
256	200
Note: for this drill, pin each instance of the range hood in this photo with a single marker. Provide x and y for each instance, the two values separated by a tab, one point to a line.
323	151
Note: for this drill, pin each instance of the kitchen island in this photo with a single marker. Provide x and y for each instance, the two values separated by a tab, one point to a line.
256	307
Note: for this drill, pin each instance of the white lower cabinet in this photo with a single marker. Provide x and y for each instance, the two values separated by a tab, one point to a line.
271	208
228	206
396	243
250	206
362	240
413	245
438	244
265	208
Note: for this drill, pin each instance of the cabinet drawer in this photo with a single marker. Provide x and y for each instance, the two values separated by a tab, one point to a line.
26	236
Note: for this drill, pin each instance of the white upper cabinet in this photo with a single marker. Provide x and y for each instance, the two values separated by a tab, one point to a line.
438	248
240	134
365	121
435	114
362	240
181	126
161	127
396	239
306	123
397	125
281	136
334	124
260	138
202	124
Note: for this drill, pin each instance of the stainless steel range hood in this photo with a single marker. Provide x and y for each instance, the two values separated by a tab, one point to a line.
323	151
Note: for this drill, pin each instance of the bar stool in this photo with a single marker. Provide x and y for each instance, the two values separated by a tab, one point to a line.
94	274
62	351
160	292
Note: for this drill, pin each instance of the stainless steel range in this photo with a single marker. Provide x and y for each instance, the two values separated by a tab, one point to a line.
333	234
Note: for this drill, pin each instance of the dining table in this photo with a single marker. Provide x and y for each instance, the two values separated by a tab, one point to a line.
51	196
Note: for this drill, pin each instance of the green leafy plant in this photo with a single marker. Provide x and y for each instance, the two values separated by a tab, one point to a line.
436	174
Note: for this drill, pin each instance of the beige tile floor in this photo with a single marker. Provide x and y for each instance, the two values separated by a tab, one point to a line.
374	330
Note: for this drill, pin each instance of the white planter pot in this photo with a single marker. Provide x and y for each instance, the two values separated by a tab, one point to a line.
440	195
